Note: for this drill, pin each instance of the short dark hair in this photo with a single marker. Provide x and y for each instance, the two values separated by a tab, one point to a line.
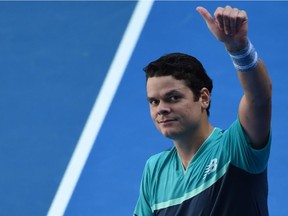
182	67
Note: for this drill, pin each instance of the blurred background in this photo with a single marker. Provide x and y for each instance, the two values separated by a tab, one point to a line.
54	58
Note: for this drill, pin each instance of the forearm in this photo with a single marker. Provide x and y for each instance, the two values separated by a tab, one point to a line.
257	85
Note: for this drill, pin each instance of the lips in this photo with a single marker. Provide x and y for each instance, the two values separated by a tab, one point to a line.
164	121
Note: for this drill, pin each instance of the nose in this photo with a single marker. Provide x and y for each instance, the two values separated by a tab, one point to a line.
163	108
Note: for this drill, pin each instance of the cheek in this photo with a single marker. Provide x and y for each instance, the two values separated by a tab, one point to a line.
192	112
153	114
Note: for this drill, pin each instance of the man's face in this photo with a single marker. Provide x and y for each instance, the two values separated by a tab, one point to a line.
172	107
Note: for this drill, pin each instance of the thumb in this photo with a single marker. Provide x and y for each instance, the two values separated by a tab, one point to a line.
206	15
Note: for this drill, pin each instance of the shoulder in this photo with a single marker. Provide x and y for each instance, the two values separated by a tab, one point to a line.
237	133
161	156
158	160
241	153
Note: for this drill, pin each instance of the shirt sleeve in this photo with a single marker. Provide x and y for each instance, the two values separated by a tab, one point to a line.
143	207
242	154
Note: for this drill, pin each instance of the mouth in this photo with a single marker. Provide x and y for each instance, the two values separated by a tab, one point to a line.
166	121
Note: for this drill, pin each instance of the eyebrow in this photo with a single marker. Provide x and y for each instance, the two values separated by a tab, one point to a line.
167	94
172	92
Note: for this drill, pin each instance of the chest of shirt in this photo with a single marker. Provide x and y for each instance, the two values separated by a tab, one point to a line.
171	181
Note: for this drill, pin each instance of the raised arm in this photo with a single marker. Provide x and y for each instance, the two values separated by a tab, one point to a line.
230	26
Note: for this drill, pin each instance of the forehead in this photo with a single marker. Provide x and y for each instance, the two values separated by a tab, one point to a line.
164	84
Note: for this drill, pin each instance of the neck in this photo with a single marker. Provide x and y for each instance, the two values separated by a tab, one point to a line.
188	146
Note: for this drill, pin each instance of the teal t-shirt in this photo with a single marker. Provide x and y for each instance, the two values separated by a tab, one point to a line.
225	177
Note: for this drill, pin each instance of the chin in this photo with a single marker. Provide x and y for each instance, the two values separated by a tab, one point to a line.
169	134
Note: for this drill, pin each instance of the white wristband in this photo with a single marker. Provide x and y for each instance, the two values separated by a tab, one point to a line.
245	60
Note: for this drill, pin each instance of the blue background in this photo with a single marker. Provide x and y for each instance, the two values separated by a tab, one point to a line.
54	57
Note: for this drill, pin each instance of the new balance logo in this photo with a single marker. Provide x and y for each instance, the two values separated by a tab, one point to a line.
210	167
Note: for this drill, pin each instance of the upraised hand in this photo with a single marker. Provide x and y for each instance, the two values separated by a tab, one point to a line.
229	26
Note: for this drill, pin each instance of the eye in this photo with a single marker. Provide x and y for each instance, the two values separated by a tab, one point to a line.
174	98
153	102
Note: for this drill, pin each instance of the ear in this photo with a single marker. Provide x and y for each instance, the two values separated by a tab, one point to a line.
204	98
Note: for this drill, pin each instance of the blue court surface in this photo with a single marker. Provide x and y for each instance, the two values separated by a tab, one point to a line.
75	129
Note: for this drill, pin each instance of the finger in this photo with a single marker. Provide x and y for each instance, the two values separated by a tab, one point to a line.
241	19
206	15
227	22
233	21
219	18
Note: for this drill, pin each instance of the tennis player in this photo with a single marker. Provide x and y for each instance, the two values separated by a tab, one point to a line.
208	171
